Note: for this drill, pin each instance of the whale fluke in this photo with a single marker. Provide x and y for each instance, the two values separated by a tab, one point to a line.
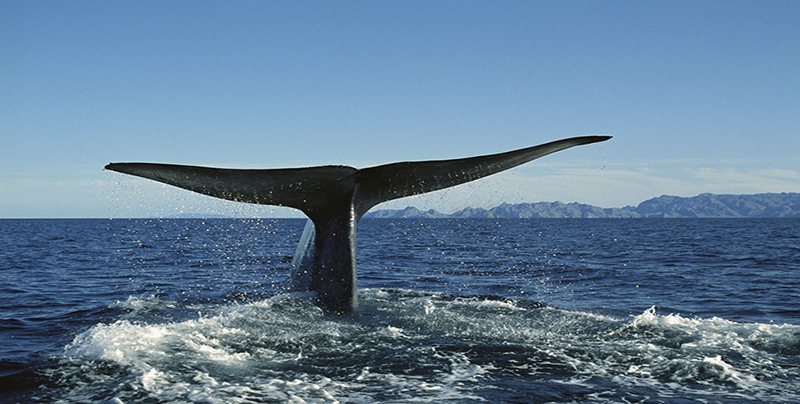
335	198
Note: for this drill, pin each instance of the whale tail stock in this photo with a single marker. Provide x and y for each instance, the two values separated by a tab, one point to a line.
335	198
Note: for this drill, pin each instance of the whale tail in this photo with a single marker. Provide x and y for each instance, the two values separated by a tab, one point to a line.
323	191
335	198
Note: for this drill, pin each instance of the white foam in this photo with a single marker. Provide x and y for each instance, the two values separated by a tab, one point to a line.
143	302
269	350
653	348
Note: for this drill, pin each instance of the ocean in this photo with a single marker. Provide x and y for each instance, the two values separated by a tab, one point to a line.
450	311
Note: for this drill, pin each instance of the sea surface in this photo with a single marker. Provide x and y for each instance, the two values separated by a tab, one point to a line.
450	311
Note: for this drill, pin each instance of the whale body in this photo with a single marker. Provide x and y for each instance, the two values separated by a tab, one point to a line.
335	198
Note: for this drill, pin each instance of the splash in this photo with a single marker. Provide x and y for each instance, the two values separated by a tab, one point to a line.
424	347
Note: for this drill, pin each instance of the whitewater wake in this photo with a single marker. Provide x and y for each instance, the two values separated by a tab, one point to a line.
404	346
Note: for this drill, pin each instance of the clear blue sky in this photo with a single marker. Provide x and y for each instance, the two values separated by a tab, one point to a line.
700	96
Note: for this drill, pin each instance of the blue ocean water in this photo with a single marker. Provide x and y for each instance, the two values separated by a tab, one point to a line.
457	311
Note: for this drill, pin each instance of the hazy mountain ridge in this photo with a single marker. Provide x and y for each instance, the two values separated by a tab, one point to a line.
771	205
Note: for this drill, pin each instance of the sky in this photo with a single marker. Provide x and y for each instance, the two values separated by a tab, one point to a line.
699	96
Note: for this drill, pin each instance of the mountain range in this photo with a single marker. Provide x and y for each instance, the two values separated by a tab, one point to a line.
772	205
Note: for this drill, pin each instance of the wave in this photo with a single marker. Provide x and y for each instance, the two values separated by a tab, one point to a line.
406	346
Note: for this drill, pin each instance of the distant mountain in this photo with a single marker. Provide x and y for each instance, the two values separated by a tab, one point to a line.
409	212
711	205
703	205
